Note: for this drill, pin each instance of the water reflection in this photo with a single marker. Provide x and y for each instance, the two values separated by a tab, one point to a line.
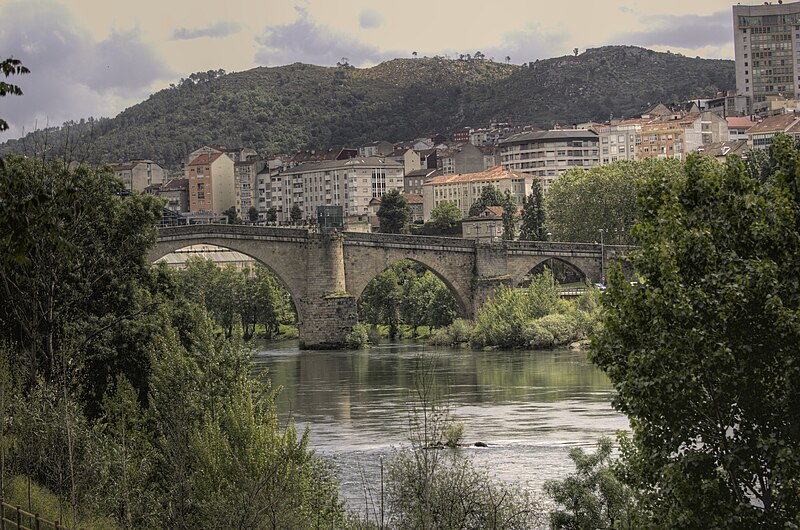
530	407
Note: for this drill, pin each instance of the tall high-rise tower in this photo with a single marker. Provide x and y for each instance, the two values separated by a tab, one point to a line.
767	51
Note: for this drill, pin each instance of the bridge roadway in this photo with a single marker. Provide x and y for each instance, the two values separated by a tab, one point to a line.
325	273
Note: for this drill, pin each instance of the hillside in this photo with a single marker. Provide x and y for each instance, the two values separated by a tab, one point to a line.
283	109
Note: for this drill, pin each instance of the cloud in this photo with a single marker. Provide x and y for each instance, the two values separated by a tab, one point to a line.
529	44
72	75
306	41
684	31
369	18
217	30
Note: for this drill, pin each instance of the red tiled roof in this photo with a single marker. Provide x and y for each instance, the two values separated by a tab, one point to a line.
204	160
739	122
495	173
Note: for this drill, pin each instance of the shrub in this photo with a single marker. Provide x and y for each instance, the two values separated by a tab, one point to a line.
458	332
542	295
358	337
563	327
538	336
453	434
502	320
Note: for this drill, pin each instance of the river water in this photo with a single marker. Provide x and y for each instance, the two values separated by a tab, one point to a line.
530	408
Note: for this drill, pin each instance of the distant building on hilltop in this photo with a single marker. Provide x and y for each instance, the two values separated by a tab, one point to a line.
139	174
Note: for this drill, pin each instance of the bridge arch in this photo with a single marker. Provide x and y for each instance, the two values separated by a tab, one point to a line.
556	265
356	288
520	267
286	264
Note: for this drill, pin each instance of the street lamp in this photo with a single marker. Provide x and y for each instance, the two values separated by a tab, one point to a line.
602	257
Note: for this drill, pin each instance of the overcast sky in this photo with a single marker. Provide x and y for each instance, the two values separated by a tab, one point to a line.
97	57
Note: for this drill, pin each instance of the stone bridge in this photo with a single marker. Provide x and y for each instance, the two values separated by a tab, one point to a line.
326	273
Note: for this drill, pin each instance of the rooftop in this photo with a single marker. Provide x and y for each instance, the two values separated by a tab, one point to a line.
369	161
561	134
496	173
776	124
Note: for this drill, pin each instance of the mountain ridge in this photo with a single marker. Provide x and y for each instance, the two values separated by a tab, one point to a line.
286	108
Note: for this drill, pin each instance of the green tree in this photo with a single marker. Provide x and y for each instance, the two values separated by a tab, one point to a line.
10	67
252	214
703	351
381	301
581	202
444	219
490	196
272	214
295	214
534	216
592	498
230	213
394	212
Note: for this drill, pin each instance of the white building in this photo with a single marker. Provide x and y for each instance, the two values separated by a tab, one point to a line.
348	183
547	155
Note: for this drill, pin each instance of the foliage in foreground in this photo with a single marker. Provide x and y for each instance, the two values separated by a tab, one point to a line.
703	353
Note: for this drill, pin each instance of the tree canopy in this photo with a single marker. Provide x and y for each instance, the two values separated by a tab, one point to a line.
394	213
534	216
10	67
703	351
582	202
444	220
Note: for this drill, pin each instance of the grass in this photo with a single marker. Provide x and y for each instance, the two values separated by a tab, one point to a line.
47	505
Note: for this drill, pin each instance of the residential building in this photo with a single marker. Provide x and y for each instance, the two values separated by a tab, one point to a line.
486	227
766	43
548	154
462	135
413	181
461	158
301	157
620	140
246	182
760	135
139	174
350	183
464	190
738	126
273	166
721	150
211	183
675	138
176	193
377	148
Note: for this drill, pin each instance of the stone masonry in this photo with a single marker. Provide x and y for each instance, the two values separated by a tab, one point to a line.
326	273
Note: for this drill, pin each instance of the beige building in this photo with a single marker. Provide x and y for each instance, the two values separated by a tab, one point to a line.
668	138
546	155
245	181
486	227
348	183
464	190
139	174
211	183
760	136
621	140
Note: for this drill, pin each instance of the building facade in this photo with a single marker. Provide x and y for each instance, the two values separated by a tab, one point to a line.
766	42
211	183
348	183
547	155
464	190
139	174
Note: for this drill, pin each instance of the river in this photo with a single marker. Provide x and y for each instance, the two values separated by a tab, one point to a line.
528	407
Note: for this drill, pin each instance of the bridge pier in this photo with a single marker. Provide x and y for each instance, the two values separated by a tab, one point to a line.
327	312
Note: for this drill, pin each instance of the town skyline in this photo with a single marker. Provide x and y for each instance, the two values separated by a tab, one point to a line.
89	59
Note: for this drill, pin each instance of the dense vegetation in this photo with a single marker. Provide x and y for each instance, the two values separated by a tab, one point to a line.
283	109
407	295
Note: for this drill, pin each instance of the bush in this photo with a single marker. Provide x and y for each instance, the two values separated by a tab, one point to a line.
502	320
459	332
453	434
358	337
538	336
563	327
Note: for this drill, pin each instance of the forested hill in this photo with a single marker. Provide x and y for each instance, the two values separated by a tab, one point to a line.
283	109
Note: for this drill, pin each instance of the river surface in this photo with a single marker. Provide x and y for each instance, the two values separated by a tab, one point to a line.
529	407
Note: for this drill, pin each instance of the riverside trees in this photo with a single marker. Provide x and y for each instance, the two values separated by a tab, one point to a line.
703	353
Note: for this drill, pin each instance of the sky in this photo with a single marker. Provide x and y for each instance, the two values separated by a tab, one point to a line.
98	57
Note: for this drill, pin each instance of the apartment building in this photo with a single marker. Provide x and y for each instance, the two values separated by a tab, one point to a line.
211	183
464	190
245	180
139	174
348	183
461	158
620	141
547	155
766	47
760	136
676	138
